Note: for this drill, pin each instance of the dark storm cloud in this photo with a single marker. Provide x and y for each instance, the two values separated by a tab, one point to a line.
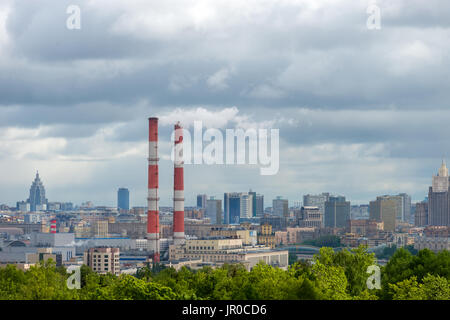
329	60
312	68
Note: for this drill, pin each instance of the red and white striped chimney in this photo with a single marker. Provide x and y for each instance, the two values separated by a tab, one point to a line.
178	188
152	200
53	226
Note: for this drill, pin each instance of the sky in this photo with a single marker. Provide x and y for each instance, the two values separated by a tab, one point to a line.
360	112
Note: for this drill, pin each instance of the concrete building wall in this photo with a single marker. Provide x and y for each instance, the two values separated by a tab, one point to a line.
103	260
421	214
52	239
384	210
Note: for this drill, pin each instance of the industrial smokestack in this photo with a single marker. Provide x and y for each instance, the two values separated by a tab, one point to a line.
153	208
178	188
53	226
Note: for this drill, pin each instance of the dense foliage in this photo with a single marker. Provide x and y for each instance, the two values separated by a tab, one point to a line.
331	275
325	241
388	252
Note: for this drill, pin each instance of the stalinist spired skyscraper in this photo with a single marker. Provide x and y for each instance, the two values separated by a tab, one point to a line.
37	198
439	199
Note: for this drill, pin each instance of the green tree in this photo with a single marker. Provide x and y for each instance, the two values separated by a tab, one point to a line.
408	289
43	282
354	264
11	282
432	288
127	287
403	265
436	287
331	281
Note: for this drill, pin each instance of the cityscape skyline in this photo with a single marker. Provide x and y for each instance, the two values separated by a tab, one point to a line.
202	150
193	198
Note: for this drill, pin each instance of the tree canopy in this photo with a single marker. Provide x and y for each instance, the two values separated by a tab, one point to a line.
330	275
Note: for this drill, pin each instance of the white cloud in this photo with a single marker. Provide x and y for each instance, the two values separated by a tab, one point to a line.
210	119
219	79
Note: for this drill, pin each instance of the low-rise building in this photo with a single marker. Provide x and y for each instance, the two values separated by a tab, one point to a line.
103	260
248	236
365	227
435	238
44	254
281	238
219	250
310	217
266	236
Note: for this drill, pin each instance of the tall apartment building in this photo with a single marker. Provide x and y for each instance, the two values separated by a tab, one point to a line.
103	260
280	207
214	210
439	198
337	212
317	200
384	209
246	205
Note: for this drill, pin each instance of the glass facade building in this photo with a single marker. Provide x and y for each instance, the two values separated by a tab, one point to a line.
123	199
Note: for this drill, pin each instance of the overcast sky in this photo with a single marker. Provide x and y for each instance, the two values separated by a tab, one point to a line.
361	112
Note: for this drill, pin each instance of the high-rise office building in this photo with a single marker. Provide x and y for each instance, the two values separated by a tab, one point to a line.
237	205
399	209
318	200
406	207
232	207
123	199
253	194
259	205
246	205
421	214
214	210
337	212
280	207
439	198
37	198
201	201
384	209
